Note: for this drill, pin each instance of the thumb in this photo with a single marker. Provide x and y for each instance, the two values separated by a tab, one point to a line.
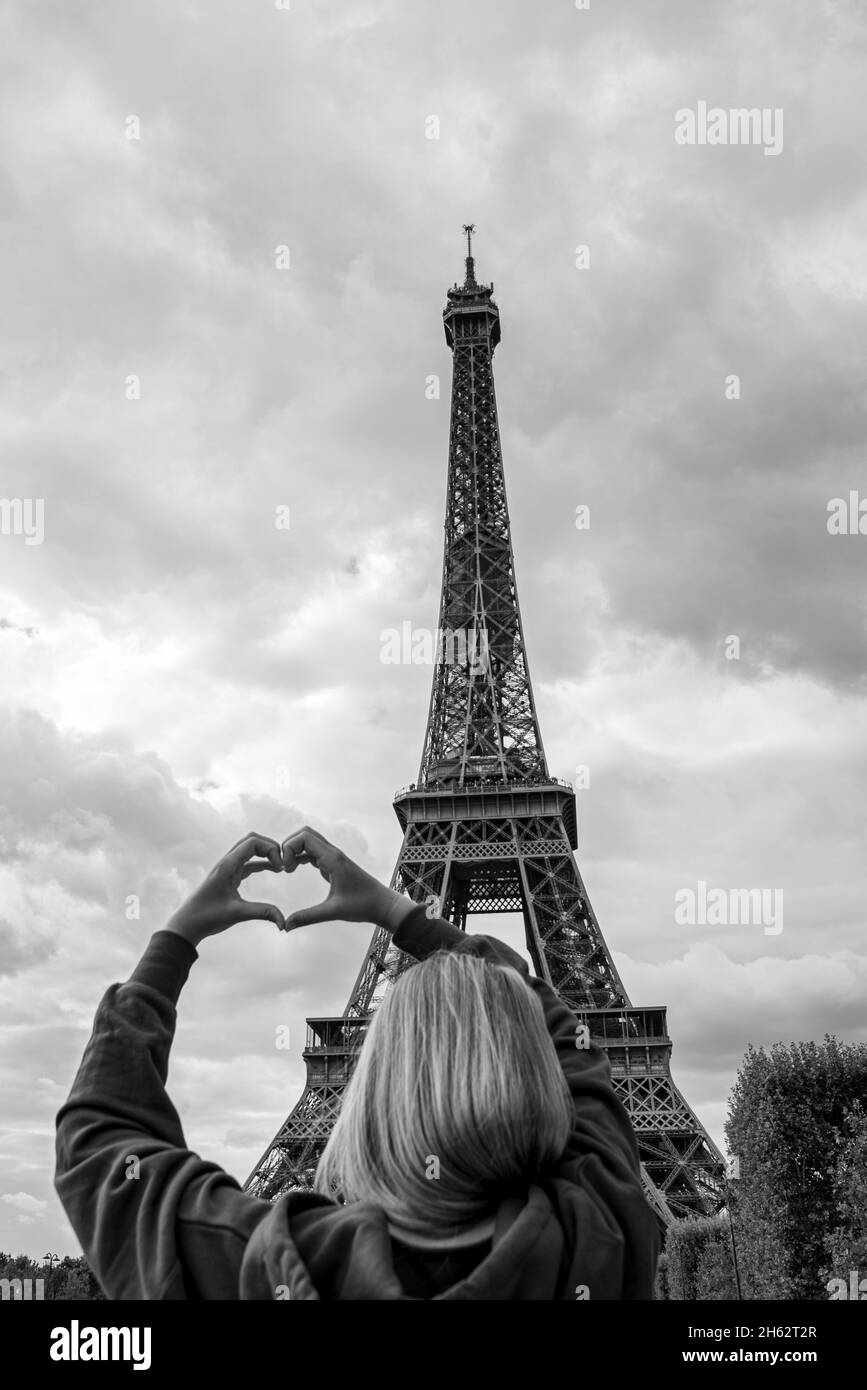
306	916
260	912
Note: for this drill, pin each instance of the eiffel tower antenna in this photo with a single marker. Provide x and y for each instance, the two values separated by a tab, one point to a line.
469	228
487	829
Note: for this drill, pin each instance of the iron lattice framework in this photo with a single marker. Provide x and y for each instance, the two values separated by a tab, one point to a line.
486	829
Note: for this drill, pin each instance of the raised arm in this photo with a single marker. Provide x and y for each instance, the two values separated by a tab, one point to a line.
155	1221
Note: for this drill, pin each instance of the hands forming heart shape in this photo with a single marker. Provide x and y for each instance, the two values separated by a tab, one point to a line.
354	895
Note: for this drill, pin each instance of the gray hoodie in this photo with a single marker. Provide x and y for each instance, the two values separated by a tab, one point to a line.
184	1229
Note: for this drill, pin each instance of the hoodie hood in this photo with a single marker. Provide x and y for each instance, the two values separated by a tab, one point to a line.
308	1247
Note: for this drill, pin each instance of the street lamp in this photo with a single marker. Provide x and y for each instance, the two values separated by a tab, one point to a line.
52	1258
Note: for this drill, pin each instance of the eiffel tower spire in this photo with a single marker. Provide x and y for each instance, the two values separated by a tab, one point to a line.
470	277
487	829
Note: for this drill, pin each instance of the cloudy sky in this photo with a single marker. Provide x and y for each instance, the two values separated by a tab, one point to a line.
176	669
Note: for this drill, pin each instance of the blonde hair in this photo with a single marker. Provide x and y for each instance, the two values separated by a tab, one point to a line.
457	1099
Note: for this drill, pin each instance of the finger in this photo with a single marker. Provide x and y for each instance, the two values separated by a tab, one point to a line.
250	845
249	835
306	916
307	846
254	868
291	861
260	912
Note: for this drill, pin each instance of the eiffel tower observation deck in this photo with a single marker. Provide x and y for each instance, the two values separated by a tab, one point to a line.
487	829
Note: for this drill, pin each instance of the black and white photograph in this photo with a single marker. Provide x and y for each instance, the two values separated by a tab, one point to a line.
433	667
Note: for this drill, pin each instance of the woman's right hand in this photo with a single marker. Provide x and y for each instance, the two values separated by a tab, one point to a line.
354	896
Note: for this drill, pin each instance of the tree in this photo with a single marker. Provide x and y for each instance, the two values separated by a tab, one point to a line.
715	1273
698	1260
71	1278
787	1112
846	1245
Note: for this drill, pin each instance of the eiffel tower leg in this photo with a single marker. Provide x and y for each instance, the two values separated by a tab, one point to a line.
679	1160
681	1166
290	1160
563	936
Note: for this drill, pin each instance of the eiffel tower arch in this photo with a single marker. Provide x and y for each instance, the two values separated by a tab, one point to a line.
487	829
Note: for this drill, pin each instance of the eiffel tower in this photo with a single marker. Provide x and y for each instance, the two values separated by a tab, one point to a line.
487	829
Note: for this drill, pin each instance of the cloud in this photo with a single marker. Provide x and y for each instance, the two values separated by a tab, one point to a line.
7	626
756	1002
176	667
29	1208
17	952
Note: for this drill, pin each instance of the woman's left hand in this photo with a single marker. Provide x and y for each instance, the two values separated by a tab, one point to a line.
217	905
